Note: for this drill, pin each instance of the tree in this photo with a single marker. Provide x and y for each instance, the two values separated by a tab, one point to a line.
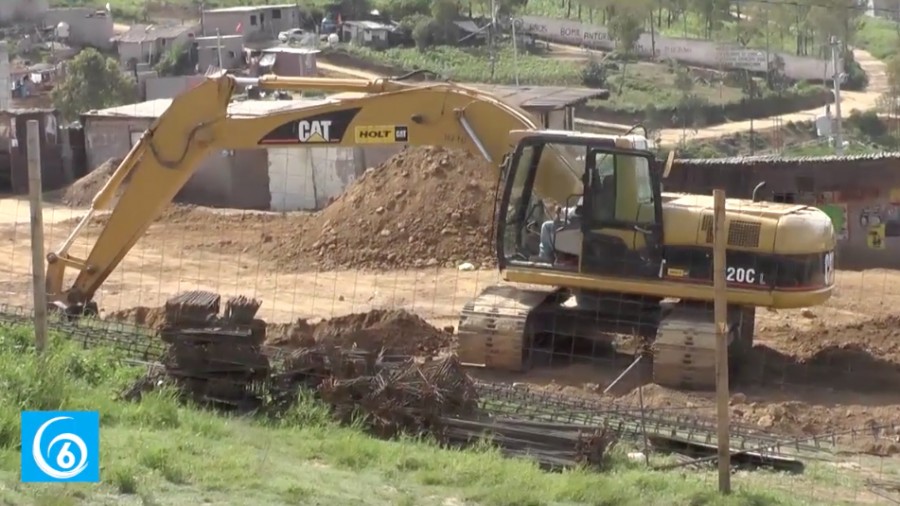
891	98
92	81
690	105
776	79
625	27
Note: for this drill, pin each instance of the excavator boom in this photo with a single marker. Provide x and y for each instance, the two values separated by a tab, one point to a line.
197	122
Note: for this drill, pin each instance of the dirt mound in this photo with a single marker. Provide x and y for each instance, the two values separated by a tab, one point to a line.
82	191
422	207
861	356
877	336
153	317
398	332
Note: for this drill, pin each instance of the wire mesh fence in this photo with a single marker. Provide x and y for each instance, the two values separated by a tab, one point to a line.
387	268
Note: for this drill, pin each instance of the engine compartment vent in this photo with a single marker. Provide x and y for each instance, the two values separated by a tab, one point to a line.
744	234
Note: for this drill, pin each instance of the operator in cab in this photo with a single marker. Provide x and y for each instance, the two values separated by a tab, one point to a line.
549	227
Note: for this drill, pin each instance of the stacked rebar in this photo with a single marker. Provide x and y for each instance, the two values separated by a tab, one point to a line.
552	445
212	359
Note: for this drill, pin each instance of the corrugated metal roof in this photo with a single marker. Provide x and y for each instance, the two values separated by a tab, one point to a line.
369	25
541	97
214	38
249	8
248	108
531	97
291	50
467	25
143	33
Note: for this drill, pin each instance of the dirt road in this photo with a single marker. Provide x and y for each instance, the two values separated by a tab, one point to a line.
850	100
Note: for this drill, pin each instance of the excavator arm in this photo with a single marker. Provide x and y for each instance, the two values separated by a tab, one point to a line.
197	122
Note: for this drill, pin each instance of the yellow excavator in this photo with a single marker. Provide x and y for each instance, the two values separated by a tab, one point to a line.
628	261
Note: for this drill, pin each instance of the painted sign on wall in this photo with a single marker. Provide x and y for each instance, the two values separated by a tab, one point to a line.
838	215
692	51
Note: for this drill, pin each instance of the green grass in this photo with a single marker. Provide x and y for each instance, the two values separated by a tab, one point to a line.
160	452
654	83
879	37
473	65
689	26
645	82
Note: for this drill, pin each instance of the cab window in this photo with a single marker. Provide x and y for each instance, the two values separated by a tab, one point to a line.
621	188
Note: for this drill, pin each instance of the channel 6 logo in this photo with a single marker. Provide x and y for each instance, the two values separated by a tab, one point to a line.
60	446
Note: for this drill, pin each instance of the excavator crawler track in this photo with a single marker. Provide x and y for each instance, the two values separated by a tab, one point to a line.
684	353
492	327
496	327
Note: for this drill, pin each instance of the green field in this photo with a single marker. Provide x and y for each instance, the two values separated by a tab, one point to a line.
765	24
473	65
881	37
161	452
645	83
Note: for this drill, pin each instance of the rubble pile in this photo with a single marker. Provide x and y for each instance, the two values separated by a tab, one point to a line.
404	398
423	207
402	395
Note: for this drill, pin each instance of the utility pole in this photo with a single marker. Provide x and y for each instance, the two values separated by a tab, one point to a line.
492	34
515	49
837	77
219	47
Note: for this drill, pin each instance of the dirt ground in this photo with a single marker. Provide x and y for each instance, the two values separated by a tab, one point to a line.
830	368
816	370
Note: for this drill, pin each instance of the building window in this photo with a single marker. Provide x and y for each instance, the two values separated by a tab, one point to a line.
253	20
231	54
276	14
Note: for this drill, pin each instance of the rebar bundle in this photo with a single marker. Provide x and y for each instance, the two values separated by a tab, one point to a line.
406	397
194	307
552	445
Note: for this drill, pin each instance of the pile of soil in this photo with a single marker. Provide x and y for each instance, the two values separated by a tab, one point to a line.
878	336
397	332
424	207
82	191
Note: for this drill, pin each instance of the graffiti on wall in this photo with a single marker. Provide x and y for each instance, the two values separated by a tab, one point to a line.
838	215
880	221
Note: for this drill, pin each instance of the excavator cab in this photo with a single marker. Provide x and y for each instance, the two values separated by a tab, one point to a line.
600	215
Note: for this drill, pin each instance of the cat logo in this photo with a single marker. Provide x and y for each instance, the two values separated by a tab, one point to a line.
324	128
311	132
386	134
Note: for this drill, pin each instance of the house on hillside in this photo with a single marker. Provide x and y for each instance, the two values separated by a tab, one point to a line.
372	34
251	20
148	43
229	47
289	61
